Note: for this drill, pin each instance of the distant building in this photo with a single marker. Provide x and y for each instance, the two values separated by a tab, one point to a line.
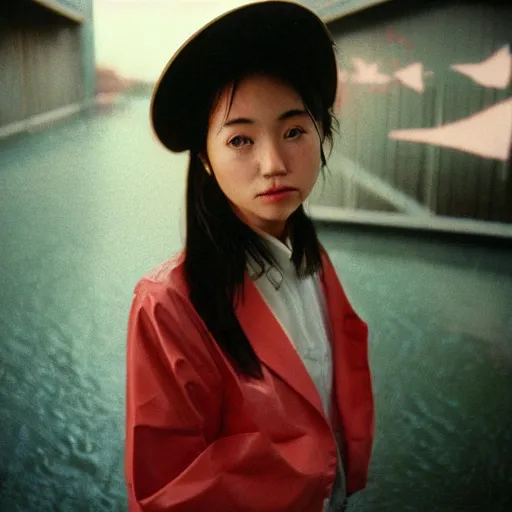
47	61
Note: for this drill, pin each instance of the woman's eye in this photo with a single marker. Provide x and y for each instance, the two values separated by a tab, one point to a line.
239	141
295	133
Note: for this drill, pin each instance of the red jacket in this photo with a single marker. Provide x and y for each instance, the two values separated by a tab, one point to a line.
201	438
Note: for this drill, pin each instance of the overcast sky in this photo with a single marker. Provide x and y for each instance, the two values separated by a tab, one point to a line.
137	37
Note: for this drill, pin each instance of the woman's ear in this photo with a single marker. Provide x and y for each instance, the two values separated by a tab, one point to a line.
206	164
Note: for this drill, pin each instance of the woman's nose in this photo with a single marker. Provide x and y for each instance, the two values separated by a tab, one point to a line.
272	161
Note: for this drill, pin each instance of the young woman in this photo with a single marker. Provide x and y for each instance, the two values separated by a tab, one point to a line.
248	384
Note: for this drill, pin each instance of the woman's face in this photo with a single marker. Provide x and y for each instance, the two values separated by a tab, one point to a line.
264	151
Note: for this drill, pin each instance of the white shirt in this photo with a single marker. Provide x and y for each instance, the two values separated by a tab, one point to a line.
300	308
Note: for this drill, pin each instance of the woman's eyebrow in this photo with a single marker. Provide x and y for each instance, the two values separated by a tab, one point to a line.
239	120
286	115
293	113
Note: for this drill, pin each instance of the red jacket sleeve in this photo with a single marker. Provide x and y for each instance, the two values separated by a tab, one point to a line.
173	403
175	459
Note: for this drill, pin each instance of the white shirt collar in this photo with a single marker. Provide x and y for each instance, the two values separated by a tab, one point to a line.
276	247
281	252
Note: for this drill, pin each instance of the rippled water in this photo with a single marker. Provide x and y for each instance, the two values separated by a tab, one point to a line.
441	352
90	205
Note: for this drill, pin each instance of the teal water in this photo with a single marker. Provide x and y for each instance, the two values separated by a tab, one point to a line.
91	204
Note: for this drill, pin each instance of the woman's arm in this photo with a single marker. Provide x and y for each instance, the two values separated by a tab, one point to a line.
174	398
175	459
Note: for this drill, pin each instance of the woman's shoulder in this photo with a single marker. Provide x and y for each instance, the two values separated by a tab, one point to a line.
166	278
162	297
162	314
165	288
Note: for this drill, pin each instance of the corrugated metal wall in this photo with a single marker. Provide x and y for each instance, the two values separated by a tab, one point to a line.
447	181
41	70
52	67
82	12
46	62
12	107
76	5
329	9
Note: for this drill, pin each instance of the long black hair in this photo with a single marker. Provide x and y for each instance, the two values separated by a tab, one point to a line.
218	242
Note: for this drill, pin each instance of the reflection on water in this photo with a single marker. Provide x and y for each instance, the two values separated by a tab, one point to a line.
90	205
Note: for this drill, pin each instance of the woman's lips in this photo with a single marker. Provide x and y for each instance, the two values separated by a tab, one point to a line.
277	193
